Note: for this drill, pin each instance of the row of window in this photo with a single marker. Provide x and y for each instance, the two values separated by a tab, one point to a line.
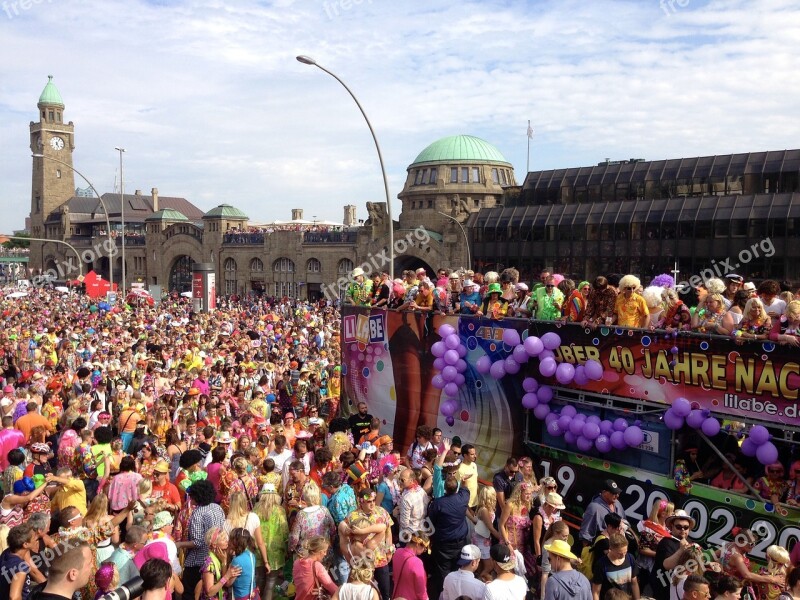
463	175
473	202
286	265
52	116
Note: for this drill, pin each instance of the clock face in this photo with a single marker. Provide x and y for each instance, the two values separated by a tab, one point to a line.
56	143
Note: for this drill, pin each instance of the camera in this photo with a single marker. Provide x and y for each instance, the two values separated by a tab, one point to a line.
127	591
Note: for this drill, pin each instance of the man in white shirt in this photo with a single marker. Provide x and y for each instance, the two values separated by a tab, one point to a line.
281	453
463	582
422	442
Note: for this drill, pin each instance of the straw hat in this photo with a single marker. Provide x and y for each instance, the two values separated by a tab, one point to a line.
161	520
681	515
555	501
560	548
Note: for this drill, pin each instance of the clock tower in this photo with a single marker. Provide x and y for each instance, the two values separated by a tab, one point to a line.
53	183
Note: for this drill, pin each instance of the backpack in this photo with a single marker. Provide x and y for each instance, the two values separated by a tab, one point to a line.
587	557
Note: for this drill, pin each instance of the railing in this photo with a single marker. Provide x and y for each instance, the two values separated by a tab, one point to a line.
243	238
330	237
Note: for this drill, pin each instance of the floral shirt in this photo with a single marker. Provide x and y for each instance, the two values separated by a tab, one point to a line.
378	515
600	305
310	522
548	306
342	503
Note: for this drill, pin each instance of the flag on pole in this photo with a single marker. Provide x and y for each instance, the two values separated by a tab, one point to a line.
530	131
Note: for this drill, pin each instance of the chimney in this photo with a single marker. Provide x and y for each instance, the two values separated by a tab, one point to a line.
154	193
137	193
297	214
350	216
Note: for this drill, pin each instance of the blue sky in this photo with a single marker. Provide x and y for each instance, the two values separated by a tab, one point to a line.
208	100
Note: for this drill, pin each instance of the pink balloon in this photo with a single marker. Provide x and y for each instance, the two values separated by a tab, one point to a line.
498	369
533	345
483	364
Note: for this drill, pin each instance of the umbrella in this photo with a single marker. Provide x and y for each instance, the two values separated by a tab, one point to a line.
186	294
18	295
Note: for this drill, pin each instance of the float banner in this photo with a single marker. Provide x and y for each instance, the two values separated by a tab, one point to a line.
754	381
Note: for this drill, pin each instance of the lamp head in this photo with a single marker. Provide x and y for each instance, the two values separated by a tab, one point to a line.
306	60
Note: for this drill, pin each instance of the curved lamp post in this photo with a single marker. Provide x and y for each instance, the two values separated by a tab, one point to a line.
102	203
464	231
306	60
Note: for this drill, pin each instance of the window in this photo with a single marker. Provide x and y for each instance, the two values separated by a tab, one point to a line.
313	265
453	174
50	114
464	174
503	176
58	116
257	265
345	267
476	175
424	177
229	276
418	180
283	265
230	265
58	173
495	176
430	203
434	175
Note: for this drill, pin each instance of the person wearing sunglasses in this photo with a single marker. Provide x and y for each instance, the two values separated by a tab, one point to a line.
546	301
631	308
669	552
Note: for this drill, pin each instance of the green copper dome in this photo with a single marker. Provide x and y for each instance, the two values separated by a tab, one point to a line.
225	211
167	214
50	94
461	148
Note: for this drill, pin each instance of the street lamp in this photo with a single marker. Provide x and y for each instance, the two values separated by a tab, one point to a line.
102	203
464	231
122	213
306	60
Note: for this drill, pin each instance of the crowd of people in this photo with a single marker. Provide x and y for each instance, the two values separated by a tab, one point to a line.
210	454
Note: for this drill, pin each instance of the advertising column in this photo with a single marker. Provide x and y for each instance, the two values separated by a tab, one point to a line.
204	292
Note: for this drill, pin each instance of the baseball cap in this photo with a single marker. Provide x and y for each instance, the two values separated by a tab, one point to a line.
503	556
609	485
469	553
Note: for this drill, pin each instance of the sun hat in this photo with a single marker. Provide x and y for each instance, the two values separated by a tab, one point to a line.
555	501
503	556
383	440
469	553
468	283
521	287
357	271
315	421
679	515
749	287
560	548
224	437
454	275
162	466
161	520
494	288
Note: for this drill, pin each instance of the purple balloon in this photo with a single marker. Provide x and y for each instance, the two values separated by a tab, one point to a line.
511	337
570	437
633	436
461	365
529	384
606	427
568	410
767	453
438	382
681	407
618	440
541	411
439	364
460	380
451	357
695	419
593	419
551	417
448	408
672	421
462	350
450	421
452	341
449	373
546	354
533	345
451	389
551	340
554	429
564	421
710	427
576	426
593	370
498	369
603	444
530	401
438	349
583	444
748	448
591	431
446	330
564	373
580	376
512	366
483	364
545	394
760	435
620	424
520	355
548	367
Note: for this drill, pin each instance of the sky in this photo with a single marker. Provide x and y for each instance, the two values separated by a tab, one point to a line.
211	105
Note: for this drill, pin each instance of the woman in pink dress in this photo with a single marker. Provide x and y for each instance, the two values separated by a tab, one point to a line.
515	524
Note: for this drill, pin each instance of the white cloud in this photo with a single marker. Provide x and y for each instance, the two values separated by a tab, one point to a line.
208	100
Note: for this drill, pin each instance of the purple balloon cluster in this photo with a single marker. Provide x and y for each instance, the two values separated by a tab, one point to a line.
758	444
587	432
537	397
681	412
449	353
